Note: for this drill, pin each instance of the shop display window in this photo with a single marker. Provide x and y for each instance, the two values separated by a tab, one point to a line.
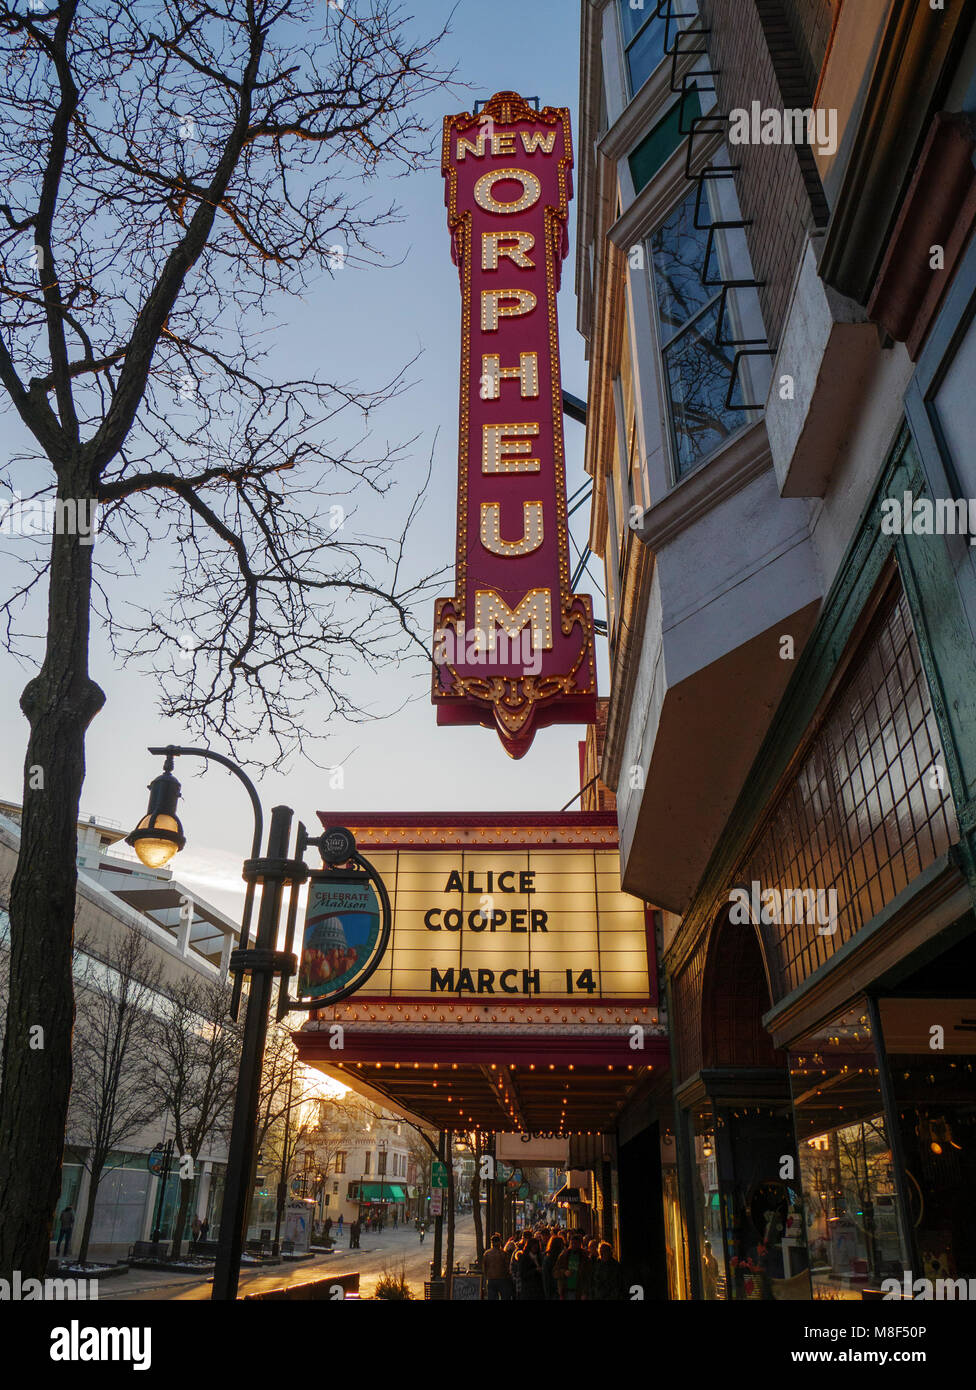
930	1045
847	1172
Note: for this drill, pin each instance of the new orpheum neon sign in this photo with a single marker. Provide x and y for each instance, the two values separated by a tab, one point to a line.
514	648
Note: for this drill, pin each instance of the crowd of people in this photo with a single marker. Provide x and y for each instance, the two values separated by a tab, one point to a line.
551	1264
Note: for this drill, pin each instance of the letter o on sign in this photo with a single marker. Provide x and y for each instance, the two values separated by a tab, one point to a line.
485	198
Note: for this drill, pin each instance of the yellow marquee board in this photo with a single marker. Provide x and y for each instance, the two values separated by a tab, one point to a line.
510	924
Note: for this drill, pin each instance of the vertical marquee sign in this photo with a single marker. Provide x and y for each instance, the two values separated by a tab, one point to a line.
514	647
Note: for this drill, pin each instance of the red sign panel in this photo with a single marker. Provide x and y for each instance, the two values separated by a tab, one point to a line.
514	648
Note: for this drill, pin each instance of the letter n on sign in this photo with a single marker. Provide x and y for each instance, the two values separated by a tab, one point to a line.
509	182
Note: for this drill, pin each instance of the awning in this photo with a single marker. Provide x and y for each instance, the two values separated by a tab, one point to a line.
380	1192
568	1195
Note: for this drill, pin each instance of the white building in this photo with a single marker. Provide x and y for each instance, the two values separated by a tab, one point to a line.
116	895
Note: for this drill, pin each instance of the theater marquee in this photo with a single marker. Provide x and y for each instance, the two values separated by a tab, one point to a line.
514	647
507	922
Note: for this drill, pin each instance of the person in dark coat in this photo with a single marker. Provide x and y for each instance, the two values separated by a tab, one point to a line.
66	1227
606	1276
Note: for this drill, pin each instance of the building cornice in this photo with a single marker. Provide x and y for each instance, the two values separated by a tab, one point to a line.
746	456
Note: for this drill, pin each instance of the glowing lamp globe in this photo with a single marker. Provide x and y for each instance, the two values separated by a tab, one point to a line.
159	835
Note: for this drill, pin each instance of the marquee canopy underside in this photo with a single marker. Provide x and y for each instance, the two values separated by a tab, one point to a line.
527	1084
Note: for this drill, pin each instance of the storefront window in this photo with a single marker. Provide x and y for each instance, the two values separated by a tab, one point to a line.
675	1238
850	1209
708	1206
930	1048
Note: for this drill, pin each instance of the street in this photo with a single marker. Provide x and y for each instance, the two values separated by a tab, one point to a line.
378	1252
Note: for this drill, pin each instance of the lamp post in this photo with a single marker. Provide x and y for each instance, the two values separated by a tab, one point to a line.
159	836
156	838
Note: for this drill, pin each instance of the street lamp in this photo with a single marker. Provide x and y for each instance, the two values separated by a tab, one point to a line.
159	835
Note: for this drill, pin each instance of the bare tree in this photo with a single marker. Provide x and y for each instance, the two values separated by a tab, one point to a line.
287	1114
110	1055
174	173
471	1143
193	1075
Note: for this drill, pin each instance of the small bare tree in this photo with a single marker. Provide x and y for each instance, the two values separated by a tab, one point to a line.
287	1114
193	1075
111	1054
174	173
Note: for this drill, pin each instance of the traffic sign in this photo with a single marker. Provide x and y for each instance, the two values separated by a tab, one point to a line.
438	1175
436	1201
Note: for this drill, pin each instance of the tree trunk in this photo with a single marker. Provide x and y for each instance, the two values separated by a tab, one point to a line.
60	702
449	1265
479	1235
96	1178
186	1192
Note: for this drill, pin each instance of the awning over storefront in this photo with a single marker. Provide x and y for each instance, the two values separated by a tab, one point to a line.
571	1196
380	1192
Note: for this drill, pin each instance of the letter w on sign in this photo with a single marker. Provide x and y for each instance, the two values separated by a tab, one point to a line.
509	182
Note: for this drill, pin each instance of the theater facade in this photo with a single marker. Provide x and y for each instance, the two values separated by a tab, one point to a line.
518	995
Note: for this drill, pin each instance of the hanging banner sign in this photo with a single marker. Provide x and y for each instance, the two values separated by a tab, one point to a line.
343	934
514	648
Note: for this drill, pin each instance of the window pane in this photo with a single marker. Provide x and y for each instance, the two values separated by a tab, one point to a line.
697	373
846	1165
645	53
632	16
677	253
953	404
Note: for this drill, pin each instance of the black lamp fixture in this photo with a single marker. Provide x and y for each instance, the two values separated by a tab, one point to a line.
159	835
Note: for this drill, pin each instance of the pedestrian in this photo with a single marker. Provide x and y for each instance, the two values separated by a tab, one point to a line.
328	1230
498	1278
572	1270
423	1232
396	1221
65	1229
528	1277
204	1228
339	1225
354	1235
554	1249
195	1228
606	1276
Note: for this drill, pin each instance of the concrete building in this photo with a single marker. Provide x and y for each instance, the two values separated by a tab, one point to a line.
776	283
118	895
367	1163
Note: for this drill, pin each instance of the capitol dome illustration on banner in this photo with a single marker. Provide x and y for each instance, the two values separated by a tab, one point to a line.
342	927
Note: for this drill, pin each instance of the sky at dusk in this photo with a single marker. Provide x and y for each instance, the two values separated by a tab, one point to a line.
369	322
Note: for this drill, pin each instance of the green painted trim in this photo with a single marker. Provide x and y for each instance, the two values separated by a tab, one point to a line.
660	143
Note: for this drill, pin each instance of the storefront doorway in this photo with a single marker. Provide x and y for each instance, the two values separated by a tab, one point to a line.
743	1165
